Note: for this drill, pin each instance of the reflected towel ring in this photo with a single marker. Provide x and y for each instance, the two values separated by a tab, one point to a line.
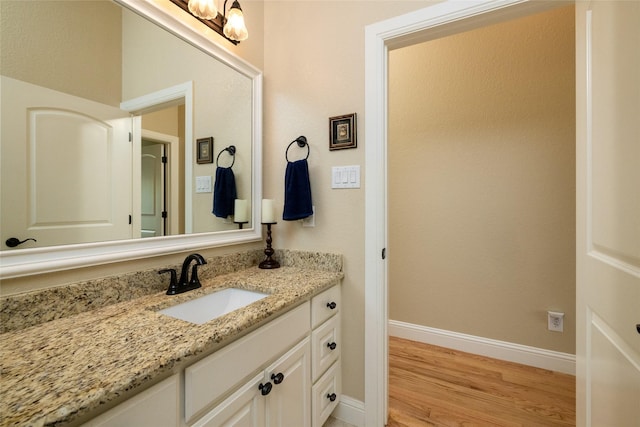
232	151
302	141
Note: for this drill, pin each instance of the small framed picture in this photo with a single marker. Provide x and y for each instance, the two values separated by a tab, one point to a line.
342	132
205	150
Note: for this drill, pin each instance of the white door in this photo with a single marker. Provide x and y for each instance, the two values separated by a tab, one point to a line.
608	213
66	167
152	189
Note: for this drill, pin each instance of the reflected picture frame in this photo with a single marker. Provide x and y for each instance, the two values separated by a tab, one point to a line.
204	149
343	132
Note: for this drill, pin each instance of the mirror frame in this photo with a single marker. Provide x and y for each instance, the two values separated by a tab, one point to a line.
26	262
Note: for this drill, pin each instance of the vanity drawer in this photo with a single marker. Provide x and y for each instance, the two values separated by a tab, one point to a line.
325	305
325	346
214	376
327	388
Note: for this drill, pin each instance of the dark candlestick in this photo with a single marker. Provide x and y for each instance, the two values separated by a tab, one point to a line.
269	262
240	224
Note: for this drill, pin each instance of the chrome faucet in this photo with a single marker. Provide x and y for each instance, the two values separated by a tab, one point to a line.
185	283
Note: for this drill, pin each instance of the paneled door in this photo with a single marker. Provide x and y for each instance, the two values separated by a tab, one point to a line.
66	167
152	189
608	213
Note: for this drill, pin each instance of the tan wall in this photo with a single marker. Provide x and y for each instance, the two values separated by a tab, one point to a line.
314	69
482	181
39	45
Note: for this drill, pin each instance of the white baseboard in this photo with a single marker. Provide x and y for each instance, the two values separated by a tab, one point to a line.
532	356
350	411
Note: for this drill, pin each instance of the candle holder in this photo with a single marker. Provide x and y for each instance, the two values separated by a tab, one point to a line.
241	224
269	262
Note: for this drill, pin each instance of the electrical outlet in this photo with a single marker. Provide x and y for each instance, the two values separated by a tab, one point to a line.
310	221
555	321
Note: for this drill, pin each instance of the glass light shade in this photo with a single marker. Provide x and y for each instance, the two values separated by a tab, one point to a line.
203	9
235	28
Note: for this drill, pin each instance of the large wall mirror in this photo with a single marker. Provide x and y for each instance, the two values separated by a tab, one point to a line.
116	117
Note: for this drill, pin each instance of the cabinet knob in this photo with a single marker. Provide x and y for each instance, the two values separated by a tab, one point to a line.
332	397
265	388
277	378
332	345
332	305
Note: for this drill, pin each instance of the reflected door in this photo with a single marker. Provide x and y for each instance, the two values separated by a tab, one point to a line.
153	209
66	174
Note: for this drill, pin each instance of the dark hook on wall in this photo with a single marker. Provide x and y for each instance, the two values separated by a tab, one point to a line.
232	151
301	141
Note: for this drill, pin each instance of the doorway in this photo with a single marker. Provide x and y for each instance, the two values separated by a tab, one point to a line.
434	22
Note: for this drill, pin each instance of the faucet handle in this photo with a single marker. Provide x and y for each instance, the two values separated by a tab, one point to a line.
173	284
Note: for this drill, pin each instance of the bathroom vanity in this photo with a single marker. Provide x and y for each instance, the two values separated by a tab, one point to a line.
127	364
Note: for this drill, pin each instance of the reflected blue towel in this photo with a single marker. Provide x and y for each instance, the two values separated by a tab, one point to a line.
224	192
297	191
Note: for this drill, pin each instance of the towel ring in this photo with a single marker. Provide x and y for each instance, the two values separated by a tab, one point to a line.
302	141
232	151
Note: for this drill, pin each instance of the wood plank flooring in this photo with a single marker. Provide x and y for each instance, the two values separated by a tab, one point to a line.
435	386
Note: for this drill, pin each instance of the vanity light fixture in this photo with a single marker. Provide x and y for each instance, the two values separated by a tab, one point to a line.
230	24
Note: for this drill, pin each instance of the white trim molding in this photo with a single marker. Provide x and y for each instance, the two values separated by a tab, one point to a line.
518	353
350	411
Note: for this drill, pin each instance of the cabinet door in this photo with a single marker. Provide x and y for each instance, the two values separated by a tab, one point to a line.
244	408
156	406
289	403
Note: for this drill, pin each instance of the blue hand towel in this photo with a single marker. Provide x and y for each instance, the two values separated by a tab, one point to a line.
224	192
297	191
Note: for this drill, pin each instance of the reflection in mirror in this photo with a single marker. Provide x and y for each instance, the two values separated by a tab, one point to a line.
93	148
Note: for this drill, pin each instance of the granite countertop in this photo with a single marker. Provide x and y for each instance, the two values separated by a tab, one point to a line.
60	371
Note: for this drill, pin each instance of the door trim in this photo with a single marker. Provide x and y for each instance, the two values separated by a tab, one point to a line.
433	22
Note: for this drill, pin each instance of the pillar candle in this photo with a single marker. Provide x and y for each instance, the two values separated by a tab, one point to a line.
240	210
268	211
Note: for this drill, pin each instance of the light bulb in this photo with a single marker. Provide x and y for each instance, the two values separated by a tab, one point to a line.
235	28
203	9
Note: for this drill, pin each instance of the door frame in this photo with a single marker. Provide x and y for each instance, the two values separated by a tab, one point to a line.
439	20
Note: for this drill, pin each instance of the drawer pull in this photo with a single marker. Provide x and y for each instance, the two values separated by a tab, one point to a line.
332	345
332	305
265	388
277	378
332	397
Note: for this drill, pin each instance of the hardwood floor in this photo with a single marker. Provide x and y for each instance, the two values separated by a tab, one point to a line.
435	386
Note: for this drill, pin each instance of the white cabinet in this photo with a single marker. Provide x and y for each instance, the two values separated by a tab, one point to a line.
325	359
289	403
284	374
215	376
157	406
280	396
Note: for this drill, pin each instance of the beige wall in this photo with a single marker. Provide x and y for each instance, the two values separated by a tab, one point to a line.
482	181
314	69
39	45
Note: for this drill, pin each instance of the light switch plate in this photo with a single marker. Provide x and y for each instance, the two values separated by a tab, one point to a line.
203	184
345	176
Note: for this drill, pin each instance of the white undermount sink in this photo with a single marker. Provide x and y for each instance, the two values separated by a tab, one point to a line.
208	307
